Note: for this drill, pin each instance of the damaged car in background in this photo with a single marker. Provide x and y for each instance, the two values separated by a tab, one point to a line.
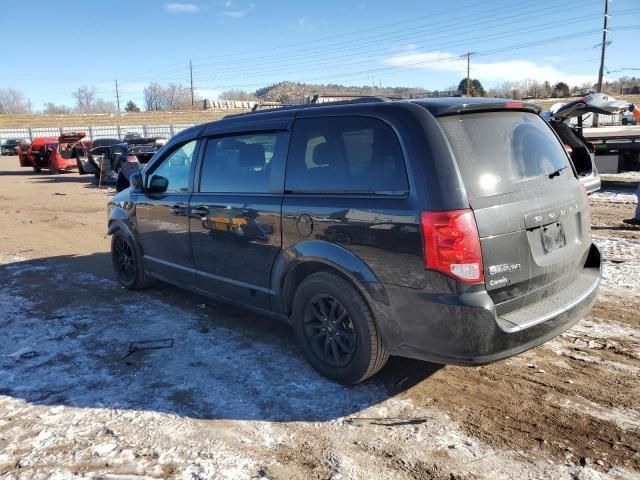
145	148
64	153
580	150
106	161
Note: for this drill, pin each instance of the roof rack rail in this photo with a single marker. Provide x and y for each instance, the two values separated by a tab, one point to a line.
273	106
350	98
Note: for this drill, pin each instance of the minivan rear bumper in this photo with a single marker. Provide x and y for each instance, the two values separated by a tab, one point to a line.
465	330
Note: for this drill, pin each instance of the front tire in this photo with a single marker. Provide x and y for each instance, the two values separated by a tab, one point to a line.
53	170
127	262
335	329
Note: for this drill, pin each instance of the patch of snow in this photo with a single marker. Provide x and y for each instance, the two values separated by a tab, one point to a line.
614	196
625	418
6	258
621	262
622	176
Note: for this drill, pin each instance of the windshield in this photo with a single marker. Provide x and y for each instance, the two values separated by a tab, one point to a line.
502	152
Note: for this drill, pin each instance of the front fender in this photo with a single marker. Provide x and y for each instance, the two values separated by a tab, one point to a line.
333	256
120	218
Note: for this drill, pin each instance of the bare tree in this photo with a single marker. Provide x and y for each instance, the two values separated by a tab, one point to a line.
51	108
153	96
103	106
235	94
85	98
175	97
12	101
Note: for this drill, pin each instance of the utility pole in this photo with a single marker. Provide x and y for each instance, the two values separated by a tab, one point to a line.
191	77
30	111
117	96
604	47
469	73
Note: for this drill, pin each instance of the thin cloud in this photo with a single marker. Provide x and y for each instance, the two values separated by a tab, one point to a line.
486	71
181	8
303	24
232	11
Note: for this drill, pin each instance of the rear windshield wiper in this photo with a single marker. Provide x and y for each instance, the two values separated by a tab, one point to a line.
558	172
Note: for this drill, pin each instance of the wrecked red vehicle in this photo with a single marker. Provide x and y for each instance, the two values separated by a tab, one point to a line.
54	154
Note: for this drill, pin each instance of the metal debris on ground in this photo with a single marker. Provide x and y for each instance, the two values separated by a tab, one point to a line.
149	345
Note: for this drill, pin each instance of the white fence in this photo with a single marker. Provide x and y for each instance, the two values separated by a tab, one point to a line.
94	133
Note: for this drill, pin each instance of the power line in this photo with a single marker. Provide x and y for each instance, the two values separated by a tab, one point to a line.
251	69
443	30
450	59
314	64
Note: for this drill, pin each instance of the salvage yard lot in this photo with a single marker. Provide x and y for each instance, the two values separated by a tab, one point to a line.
233	397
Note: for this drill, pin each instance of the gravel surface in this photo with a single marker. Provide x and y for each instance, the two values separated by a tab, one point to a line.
232	397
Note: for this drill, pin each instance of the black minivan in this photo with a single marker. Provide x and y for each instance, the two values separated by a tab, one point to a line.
449	230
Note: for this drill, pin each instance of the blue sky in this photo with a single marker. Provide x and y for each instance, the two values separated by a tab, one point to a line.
252	43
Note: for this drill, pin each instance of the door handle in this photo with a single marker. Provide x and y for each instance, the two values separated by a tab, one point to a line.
178	209
201	211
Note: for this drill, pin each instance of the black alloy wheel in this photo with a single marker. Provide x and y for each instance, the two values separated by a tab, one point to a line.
123	260
329	330
335	329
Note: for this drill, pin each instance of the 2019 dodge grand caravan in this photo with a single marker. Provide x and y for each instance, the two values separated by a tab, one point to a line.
449	230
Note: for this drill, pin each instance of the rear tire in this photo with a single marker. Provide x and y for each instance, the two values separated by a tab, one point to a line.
335	329
127	262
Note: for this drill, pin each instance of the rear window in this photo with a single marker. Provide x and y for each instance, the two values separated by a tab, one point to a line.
504	152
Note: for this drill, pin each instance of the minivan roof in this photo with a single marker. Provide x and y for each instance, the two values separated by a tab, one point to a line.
453	105
437	106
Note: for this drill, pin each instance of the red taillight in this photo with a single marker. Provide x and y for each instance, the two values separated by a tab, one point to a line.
132	158
452	244
514	105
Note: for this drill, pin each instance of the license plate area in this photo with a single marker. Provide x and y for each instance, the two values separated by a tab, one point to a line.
553	237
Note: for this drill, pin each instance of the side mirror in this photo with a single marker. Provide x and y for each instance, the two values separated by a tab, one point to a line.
135	181
158	184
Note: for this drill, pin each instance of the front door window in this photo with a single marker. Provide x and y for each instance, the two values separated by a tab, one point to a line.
174	170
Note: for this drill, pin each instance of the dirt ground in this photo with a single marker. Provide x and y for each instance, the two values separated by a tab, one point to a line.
233	398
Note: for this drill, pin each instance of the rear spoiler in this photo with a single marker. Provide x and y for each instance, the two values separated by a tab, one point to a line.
490	107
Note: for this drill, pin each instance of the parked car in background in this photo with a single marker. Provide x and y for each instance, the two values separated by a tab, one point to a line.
10	147
54	154
581	152
452	230
130	136
104	142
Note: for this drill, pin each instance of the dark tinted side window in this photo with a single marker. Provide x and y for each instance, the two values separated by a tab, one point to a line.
241	163
345	154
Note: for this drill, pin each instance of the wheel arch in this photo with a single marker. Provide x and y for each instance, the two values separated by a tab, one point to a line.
298	262
120	220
